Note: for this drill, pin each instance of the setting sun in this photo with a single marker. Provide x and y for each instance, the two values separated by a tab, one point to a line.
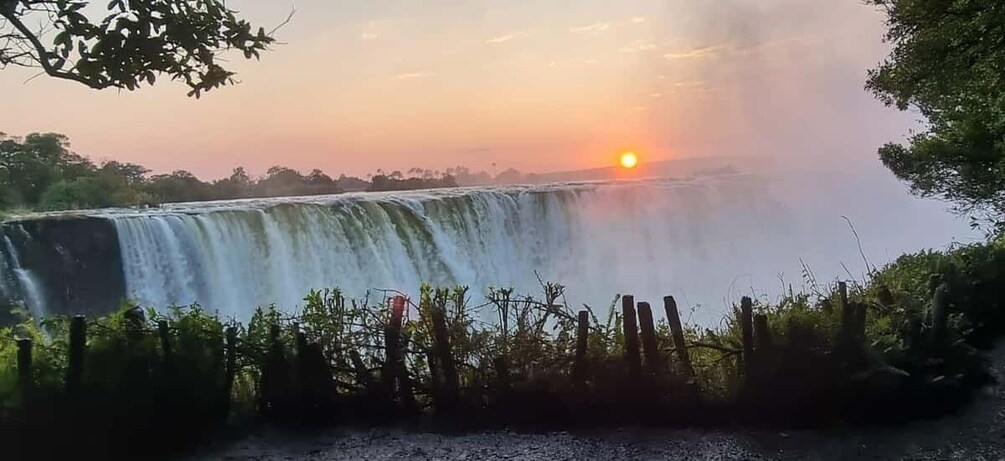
629	160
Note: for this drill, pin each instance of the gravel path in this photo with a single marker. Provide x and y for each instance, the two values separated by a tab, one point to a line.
975	434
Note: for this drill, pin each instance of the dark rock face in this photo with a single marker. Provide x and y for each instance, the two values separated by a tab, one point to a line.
76	262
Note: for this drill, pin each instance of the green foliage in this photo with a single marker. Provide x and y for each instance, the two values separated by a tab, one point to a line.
40	172
947	62
86	192
391	182
131	43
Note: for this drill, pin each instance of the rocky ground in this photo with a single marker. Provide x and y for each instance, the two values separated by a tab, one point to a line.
977	433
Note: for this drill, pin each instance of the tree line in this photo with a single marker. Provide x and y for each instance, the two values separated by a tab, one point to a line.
40	172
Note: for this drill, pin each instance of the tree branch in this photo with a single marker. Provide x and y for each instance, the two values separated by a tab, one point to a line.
42	53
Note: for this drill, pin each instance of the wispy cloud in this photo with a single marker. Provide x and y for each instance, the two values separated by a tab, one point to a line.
697	53
591	29
638	20
369	36
638	46
505	38
412	75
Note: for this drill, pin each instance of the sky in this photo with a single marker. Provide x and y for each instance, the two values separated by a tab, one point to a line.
538	85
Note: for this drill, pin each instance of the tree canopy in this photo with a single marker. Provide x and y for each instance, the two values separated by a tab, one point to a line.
948	63
40	172
127	42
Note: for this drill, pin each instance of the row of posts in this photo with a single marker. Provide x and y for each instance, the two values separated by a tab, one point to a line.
639	334
74	380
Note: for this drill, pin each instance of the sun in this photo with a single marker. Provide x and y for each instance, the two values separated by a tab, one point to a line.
629	160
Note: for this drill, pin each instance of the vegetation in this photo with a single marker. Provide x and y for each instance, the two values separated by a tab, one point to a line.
903	345
40	172
126	43
947	62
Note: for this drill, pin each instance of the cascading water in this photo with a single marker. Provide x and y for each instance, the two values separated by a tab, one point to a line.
598	239
707	241
19	283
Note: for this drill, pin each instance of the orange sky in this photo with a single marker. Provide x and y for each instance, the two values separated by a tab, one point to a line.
540	86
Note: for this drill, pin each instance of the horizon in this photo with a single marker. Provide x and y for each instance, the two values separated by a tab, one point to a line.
539	88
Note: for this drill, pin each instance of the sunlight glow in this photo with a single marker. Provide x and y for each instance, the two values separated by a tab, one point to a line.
629	160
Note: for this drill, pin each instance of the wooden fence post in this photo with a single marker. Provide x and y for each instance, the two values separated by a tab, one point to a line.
164	333
393	362
231	367
24	380
451	391
582	333
847	314
75	357
363	375
631	329
435	380
747	331
275	377
502	374
677	330
405	386
940	315
649	345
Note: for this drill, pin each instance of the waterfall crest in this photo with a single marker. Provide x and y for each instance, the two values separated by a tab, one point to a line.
706	241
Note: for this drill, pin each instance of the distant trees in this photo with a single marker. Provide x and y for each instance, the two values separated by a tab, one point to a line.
948	62
123	44
29	166
396	181
40	172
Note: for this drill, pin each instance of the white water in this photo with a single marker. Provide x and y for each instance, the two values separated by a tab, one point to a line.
26	286
705	241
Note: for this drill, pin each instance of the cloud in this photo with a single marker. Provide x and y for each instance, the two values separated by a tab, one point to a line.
638	46
697	53
591	29
412	75
638	19
505	38
738	49
369	36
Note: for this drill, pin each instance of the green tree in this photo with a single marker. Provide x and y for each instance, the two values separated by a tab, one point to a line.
29	166
87	192
179	186
948	63
129	174
238	185
127	42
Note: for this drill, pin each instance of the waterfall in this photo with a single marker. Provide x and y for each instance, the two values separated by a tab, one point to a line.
17	283
649	238
707	241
